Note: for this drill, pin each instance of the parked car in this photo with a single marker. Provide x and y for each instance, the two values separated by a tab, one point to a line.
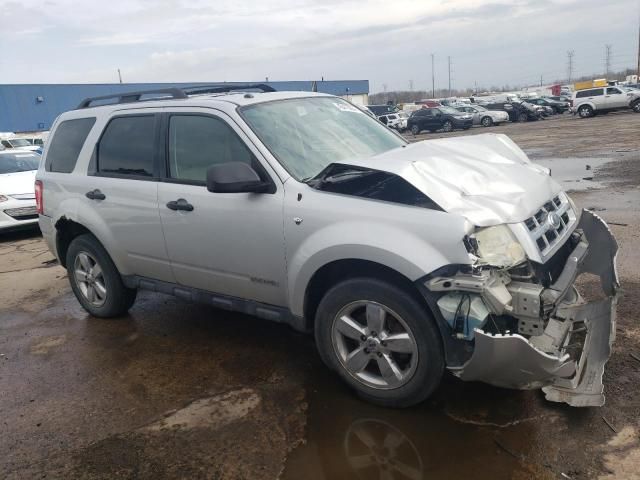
440	118
561	98
18	143
378	110
482	116
395	121
556	106
17	195
590	102
518	111
403	259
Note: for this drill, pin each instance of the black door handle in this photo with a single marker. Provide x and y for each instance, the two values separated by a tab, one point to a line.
180	204
95	195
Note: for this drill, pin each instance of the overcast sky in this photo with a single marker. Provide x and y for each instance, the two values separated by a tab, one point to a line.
386	42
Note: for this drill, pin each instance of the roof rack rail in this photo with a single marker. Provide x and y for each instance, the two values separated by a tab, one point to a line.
131	97
201	89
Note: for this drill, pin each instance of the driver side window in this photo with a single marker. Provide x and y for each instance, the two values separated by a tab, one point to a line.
196	142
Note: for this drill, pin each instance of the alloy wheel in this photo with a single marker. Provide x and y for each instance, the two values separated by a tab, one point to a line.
90	279
447	127
374	345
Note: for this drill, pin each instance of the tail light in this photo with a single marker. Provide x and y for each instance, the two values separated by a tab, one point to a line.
39	199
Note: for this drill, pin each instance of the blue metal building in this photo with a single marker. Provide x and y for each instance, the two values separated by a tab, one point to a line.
34	107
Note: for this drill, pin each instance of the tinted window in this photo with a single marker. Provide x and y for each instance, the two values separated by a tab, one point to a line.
197	142
127	146
67	143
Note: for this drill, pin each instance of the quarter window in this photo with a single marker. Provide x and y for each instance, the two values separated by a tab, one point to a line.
66	144
196	142
127	146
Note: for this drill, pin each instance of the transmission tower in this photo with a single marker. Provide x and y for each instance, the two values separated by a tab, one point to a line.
607	60
570	55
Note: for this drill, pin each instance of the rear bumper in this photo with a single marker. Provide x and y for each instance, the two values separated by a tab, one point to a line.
567	360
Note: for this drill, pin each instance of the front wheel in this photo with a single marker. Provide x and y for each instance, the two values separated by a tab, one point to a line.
95	280
523	117
415	129
585	111
381	341
486	122
635	106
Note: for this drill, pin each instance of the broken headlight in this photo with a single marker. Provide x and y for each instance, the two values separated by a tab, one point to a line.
497	246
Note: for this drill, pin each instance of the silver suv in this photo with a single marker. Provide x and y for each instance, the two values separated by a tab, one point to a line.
589	102
403	259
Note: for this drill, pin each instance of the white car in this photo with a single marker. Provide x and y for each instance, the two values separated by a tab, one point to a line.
394	120
19	144
482	116
589	102
17	195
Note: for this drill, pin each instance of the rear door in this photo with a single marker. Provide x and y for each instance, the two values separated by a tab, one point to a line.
227	243
122	190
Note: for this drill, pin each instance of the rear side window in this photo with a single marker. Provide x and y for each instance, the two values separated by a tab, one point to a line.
66	144
197	142
128	146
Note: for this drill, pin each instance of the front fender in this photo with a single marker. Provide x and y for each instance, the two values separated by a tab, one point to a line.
407	252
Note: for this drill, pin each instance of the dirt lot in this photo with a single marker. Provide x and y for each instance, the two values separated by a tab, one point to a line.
176	390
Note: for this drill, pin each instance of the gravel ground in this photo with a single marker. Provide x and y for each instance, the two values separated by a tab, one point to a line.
176	390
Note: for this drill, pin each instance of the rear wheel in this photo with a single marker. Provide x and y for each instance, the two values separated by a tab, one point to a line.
486	121
585	111
95	280
447	126
381	341
415	129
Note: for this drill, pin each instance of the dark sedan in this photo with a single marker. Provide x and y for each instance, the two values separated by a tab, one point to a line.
440	118
556	105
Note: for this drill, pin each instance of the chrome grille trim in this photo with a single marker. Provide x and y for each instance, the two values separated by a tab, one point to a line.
545	235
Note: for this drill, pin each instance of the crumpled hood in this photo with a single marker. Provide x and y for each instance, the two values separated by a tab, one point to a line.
486	178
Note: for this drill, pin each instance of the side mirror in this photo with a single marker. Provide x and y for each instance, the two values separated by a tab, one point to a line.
235	177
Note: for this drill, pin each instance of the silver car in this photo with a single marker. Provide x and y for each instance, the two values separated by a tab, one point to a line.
404	260
483	116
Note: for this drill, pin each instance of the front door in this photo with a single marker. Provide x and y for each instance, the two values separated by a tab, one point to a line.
616	98
228	243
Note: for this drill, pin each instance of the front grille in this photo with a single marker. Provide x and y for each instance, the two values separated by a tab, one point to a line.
546	233
22	213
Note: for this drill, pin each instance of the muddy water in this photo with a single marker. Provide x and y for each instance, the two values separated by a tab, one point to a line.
466	431
576	174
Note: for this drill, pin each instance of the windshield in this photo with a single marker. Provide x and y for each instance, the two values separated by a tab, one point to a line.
449	110
479	108
18	162
19	142
308	134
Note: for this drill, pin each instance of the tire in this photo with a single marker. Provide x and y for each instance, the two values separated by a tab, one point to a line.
447	126
110	297
486	121
635	106
523	117
420	371
415	129
585	111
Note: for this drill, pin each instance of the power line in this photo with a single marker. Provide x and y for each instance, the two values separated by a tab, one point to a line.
433	79
570	55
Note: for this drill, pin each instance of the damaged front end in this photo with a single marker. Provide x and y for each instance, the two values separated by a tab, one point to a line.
526	326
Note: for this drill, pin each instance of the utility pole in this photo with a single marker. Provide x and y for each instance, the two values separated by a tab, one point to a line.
540	80
411	85
119	76
607	60
449	62
384	88
638	70
570	55
433	79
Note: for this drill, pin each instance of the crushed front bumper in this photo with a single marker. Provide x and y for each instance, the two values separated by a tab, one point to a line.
550	360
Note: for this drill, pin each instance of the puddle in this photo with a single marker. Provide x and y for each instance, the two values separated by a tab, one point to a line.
441	438
575	174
